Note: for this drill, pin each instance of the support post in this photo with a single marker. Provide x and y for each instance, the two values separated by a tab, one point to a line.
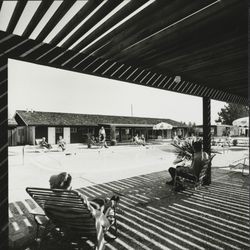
113	135
207	133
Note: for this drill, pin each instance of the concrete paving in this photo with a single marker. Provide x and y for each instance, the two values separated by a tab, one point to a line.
31	166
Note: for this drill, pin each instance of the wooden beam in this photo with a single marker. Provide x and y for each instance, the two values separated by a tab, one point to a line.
75	20
16	15
168	14
189	27
1	3
91	22
4	158
40	12
116	18
181	37
144	14
54	20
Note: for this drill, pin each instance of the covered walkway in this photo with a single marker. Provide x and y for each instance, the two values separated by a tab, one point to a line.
191	47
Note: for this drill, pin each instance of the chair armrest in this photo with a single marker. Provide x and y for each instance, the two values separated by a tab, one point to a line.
37	211
95	205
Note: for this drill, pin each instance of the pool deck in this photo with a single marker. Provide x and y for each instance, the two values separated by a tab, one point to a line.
151	216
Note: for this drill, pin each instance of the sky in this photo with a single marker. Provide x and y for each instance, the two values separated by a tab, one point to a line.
43	88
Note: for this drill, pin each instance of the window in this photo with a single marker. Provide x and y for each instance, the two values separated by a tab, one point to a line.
73	130
59	130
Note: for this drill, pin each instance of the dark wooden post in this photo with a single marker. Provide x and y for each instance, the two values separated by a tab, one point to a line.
113	135
4	154
207	133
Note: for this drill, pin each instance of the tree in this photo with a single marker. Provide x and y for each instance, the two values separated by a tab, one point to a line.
191	128
231	112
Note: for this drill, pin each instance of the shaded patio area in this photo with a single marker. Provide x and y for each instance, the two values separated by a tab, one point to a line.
151	216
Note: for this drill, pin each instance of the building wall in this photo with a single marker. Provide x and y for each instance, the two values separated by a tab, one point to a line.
12	137
51	135
21	135
66	134
41	131
30	139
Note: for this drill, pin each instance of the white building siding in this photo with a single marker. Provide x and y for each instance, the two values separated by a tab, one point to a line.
51	135
66	134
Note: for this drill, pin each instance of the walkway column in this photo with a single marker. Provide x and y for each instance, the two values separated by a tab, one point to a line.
207	132
113	135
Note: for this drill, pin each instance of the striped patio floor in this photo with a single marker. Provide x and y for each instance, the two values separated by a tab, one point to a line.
151	216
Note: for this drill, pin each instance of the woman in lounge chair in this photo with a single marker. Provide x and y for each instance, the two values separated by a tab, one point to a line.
100	208
61	143
198	160
45	144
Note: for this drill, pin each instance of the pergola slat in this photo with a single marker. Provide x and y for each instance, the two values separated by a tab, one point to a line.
84	60
103	67
36	51
93	20
93	63
75	20
145	13
16	15
116	18
195	23
109	68
131	74
152	77
73	60
117	70
54	20
62	57
138	75
1	3
40	12
167	14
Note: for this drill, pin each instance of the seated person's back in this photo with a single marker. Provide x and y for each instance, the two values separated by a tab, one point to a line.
199	160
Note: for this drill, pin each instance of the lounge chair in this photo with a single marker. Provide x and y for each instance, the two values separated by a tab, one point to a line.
65	213
242	163
190	181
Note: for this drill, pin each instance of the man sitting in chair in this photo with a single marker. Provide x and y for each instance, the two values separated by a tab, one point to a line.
99	208
199	158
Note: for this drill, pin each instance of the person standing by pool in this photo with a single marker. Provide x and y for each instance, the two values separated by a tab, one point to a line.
102	137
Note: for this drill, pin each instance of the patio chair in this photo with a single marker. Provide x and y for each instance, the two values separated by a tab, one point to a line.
66	215
190	181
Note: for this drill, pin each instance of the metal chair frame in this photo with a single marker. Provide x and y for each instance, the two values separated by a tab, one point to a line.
65	211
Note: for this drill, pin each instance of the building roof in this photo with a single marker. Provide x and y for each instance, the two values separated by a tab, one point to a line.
12	122
241	122
215	125
38	118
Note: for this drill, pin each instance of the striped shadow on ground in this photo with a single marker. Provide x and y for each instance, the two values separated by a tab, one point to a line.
151	216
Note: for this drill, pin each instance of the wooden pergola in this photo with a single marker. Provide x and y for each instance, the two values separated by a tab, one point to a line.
191	47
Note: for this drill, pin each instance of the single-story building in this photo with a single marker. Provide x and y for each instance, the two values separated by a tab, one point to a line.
75	128
242	125
217	130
